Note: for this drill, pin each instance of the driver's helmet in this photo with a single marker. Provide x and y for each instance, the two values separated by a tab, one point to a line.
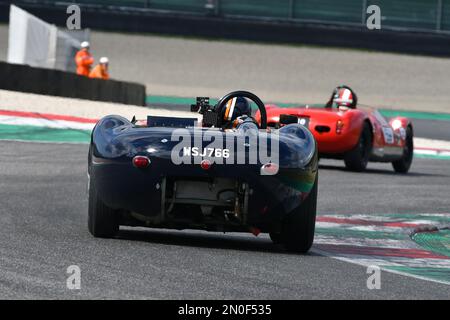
235	108
343	96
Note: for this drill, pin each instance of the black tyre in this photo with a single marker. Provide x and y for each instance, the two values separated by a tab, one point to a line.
298	228
357	158
103	221
403	165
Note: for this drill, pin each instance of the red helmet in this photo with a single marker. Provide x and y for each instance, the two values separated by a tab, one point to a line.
343	96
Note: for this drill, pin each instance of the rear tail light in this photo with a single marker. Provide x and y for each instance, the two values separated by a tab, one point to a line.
141	162
205	164
339	126
269	169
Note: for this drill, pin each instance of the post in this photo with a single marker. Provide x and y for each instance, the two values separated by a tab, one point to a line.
291	9
364	12
217	9
439	15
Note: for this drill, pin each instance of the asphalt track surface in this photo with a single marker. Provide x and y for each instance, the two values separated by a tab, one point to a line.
43	215
432	129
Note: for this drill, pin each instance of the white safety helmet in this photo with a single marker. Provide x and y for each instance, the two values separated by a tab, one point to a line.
85	45
104	60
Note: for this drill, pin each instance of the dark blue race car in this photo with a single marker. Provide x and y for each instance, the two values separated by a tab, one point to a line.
228	174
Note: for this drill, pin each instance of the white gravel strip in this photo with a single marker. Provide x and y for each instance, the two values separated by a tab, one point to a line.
429	143
19	101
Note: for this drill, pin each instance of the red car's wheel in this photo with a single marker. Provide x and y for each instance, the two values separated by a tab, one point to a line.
403	165
357	158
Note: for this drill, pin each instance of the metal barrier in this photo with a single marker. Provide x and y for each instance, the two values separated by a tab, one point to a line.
426	15
17	77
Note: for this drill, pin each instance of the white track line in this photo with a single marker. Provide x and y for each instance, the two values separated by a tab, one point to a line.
367	264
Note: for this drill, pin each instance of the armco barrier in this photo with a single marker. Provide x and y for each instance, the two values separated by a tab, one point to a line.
65	84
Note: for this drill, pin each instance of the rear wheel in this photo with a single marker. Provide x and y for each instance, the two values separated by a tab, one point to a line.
102	221
357	158
298	228
403	165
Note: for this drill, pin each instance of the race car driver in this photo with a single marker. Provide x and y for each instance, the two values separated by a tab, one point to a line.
84	60
342	96
236	112
101	70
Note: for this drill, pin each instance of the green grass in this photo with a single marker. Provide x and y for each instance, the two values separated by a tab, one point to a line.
43	134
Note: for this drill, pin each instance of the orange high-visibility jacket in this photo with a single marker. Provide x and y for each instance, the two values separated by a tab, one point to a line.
99	72
84	61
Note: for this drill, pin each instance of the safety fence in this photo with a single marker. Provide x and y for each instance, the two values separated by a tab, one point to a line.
427	15
24	78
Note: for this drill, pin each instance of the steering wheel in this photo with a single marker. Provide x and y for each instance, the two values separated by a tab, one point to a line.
245	94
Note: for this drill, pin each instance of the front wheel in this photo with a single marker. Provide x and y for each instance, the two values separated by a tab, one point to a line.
357	158
298	228
102	220
402	165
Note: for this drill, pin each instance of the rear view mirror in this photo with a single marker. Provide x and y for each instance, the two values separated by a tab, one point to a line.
288	119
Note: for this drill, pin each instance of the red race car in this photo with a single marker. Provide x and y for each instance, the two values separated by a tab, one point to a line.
346	131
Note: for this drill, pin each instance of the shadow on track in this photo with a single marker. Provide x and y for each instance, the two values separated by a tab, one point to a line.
203	240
